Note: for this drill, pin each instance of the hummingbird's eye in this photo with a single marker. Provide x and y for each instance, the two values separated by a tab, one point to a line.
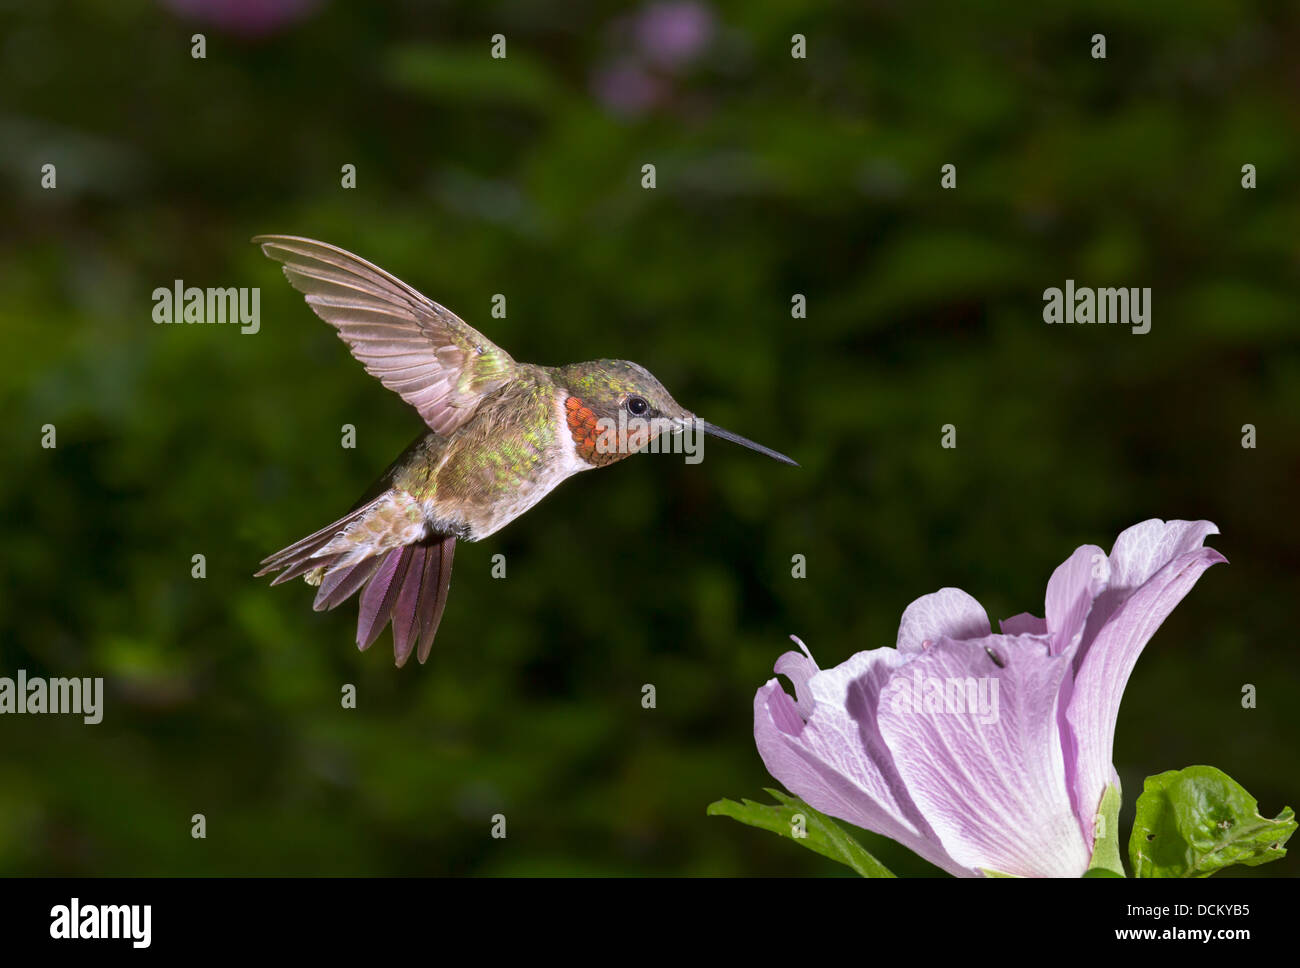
636	406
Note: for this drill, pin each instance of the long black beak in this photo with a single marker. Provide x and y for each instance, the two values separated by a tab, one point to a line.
717	431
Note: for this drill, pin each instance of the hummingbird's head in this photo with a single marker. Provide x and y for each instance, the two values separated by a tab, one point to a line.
615	408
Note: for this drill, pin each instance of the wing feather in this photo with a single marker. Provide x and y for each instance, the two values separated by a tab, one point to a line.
425	353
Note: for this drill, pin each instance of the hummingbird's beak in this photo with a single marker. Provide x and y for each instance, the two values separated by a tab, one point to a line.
717	431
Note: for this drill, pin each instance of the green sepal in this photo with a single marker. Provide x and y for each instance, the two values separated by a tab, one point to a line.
1106	860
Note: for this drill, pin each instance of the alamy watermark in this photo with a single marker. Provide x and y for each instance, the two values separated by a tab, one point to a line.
182	304
80	697
78	922
1127	307
655	435
956	695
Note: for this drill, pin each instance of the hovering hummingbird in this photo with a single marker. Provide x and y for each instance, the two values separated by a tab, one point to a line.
501	435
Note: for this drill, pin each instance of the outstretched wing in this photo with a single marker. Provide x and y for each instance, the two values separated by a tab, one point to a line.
429	356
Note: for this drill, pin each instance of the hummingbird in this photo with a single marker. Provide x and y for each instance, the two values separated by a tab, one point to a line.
500	436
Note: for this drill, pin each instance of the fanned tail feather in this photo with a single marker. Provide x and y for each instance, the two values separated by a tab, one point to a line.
301	556
341	584
406	585
415	597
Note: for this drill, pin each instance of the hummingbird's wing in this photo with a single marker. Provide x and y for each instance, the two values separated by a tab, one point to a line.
428	355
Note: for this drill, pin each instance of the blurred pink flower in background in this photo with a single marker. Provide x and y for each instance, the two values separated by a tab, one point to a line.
245	18
650	48
626	88
673	35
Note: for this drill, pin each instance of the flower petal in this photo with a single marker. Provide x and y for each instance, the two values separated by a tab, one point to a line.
1073	587
799	669
1142	550
1023	624
992	787
1107	654
836	760
948	612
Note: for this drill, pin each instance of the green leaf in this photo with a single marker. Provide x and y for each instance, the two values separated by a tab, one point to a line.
821	833
1105	849
1193	822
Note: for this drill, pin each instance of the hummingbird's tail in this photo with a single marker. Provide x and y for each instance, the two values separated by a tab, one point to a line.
407	584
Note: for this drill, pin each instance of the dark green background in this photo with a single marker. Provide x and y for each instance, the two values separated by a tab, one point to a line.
477	177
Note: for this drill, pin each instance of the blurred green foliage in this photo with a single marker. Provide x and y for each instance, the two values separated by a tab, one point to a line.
522	177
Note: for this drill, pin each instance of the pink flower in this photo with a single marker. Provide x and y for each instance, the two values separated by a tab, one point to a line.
674	34
983	752
650	49
626	88
247	18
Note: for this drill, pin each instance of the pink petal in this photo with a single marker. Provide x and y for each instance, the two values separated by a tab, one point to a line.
1142	550
1109	651
1023	624
799	669
993	792
948	612
836	760
1070	593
